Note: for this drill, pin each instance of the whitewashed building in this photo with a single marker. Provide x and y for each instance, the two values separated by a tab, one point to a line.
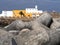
33	10
6	14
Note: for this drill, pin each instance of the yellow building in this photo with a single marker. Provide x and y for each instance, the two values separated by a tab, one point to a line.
21	13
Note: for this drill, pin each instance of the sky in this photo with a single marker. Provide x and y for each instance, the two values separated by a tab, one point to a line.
45	5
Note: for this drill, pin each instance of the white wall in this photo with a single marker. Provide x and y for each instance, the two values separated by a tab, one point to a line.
6	14
33	10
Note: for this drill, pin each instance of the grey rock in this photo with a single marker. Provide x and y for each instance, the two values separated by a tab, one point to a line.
14	32
57	19
38	36
54	37
45	19
28	25
24	32
41	35
5	38
55	24
16	25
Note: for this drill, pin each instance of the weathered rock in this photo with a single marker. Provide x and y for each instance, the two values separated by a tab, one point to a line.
57	19
37	36
55	24
54	36
5	38
16	25
41	35
24	32
28	25
45	19
14	32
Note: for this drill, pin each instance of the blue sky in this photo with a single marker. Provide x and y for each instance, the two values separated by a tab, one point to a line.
22	4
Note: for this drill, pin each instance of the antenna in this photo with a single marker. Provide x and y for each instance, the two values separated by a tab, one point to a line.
34	1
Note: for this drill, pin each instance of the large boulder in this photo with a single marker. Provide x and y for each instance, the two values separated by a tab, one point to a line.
37	36
54	37
15	25
41	35
28	25
18	25
45	19
5	38
55	24
53	34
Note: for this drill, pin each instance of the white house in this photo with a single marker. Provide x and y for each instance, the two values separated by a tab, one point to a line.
33	10
6	14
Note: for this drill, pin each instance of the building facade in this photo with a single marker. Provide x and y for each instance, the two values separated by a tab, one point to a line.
28	12
6	14
33	10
